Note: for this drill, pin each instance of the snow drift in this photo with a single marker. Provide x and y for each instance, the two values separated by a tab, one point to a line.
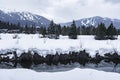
75	74
43	46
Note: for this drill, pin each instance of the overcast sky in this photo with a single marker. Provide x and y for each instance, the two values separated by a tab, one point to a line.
65	10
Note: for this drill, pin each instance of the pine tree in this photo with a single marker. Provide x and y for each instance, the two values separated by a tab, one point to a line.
51	28
78	30
27	29
73	31
101	32
44	32
83	30
57	31
64	31
59	28
111	32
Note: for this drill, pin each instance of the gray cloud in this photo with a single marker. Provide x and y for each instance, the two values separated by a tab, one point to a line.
113	1
65	10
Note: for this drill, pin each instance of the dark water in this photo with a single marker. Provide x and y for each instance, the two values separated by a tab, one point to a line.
103	66
29	61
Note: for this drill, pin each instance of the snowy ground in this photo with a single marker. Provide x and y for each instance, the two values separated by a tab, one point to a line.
44	46
25	42
75	74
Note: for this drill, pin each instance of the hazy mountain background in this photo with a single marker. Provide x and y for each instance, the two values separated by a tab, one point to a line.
32	19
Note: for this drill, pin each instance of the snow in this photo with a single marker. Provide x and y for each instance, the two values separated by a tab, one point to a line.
75	74
25	42
26	16
23	15
43	46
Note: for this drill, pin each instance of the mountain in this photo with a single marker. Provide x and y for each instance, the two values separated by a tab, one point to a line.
32	19
23	18
94	21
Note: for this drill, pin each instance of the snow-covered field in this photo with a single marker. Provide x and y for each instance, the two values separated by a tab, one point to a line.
43	46
75	74
24	42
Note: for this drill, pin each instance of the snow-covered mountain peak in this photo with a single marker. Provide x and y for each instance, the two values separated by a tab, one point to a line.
24	18
94	21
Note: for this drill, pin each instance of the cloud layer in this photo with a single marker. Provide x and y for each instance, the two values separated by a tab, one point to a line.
113	1
65	10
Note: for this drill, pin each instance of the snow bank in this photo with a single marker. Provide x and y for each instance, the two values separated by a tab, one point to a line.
75	74
43	46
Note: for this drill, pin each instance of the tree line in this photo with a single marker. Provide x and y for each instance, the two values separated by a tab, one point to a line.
54	30
101	32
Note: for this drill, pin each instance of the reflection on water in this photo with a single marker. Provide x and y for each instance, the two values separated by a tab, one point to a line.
61	62
26	65
60	67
